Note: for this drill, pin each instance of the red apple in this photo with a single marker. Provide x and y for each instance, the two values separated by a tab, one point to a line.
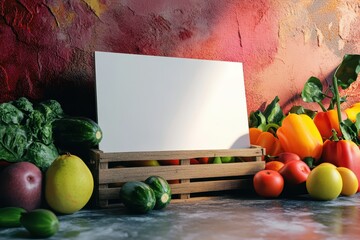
286	157
295	172
21	186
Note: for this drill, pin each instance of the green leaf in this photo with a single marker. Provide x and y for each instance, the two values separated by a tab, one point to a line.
257	119
302	110
313	91
13	142
273	112
9	114
41	155
23	104
349	131
347	72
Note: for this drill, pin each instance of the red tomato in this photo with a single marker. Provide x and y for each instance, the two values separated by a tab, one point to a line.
286	157
268	183
170	162
203	160
274	165
295	172
194	161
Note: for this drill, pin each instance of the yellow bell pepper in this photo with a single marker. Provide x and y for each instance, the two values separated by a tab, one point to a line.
352	111
299	134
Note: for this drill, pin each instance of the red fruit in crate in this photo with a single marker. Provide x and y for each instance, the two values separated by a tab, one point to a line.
170	162
203	160
194	161
21	186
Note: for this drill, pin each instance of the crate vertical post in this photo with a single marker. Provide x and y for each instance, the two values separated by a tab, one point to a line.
182	181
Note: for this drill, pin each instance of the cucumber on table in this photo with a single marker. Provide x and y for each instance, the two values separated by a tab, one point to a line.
40	222
73	131
10	216
137	196
161	189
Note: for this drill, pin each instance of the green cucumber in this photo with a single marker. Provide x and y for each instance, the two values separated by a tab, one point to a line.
10	216
161	189
73	131
40	222
137	196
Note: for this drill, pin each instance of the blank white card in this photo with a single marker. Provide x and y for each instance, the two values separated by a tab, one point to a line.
152	103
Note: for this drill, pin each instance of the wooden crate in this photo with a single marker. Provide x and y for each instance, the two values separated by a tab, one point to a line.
195	180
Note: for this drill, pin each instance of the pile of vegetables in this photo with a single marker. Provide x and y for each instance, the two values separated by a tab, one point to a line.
37	132
331	135
26	131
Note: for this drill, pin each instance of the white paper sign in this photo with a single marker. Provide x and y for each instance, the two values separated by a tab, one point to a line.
151	103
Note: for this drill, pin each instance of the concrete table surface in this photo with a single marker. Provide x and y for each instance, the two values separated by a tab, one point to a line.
227	217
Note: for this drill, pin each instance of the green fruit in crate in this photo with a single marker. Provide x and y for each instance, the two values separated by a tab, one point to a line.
10	216
217	160
227	159
40	222
76	131
161	189
137	196
69	184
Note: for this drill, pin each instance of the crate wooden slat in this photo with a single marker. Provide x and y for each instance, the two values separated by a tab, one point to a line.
193	178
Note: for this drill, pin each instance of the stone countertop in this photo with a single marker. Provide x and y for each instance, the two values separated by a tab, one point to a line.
227	217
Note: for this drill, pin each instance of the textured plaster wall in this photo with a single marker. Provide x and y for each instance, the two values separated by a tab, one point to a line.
47	46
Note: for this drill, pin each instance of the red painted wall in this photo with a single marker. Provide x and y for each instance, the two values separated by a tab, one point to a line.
46	47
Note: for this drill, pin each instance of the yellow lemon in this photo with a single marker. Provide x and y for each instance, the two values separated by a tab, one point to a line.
69	184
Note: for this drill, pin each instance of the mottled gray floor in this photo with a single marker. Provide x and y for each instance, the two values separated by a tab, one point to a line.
231	217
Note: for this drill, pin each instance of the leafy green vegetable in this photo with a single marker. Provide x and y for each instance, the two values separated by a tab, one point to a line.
51	109
40	129
24	105
41	155
9	114
13	142
26	129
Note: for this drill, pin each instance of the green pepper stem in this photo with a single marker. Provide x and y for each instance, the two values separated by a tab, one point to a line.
334	136
270	125
337	98
322	106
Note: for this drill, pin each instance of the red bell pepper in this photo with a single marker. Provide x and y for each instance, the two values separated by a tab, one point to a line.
342	153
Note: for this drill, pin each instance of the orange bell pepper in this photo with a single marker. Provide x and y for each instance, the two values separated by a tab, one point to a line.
299	134
326	121
266	140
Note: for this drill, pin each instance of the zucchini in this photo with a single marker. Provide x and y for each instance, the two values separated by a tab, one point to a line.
75	131
10	216
40	222
137	197
161	189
